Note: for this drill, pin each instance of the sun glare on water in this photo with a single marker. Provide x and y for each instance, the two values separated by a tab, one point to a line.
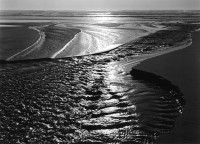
103	17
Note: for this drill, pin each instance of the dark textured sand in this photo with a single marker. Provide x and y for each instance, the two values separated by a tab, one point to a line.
182	69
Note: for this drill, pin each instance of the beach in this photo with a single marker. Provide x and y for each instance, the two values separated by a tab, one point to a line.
181	68
80	83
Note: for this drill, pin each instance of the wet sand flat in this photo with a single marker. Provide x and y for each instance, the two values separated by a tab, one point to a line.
16	39
182	69
52	40
95	38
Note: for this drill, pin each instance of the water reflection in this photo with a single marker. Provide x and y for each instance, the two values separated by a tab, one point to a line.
79	100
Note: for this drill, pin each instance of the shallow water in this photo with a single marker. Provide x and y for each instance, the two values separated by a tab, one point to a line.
81	101
86	99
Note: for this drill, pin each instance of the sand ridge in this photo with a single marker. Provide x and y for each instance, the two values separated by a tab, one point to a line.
95	39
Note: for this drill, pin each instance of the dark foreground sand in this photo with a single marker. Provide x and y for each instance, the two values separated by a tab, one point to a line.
182	68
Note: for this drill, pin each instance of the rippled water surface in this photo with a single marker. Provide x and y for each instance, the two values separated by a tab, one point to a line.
84	100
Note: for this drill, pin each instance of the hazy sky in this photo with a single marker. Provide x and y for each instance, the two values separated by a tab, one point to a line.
100	4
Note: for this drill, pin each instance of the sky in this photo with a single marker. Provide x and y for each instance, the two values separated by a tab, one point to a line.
99	4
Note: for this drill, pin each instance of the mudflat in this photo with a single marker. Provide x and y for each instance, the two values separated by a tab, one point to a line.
182	69
16	39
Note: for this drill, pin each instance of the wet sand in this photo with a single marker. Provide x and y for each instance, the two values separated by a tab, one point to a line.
52	40
95	39
61	40
182	69
15	39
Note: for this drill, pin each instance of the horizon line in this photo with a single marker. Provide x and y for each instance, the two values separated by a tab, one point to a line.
102	10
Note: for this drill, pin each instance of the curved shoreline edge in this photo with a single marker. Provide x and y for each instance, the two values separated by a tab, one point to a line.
123	63
181	68
71	46
62	49
89	35
40	39
134	62
129	64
